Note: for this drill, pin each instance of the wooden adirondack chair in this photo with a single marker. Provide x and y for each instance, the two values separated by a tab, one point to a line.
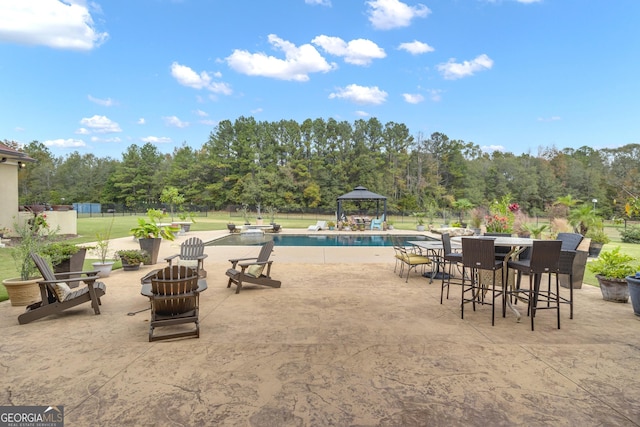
191	255
60	294
251	270
175	299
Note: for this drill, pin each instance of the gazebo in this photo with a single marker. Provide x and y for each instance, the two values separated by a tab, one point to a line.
361	193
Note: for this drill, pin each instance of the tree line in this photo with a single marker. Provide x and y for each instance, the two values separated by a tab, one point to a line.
295	166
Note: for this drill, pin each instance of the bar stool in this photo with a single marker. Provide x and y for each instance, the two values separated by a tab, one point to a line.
449	258
478	255
545	256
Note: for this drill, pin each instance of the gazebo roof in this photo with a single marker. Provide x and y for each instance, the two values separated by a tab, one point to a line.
361	193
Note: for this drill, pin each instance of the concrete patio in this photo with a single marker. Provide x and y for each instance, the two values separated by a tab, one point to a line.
344	342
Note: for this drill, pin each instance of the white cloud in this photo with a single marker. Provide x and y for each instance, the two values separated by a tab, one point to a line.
98	139
188	77
298	62
100	124
388	14
361	113
529	1
320	2
357	52
413	98
208	122
82	131
175	121
141	121
65	143
452	70
491	148
416	48
201	113
53	23
156	139
436	95
361	94
549	119
104	102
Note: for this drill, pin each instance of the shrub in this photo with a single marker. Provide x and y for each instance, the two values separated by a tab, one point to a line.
631	235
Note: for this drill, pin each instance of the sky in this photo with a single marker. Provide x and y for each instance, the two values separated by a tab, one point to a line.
509	75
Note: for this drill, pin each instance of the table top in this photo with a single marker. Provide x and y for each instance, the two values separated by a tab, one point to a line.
426	244
499	240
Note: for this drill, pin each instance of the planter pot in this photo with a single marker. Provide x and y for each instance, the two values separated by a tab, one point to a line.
152	247
23	292
390	227
259	221
231	228
594	249
579	263
420	227
103	268
634	292
614	290
477	231
75	263
186	228
130	267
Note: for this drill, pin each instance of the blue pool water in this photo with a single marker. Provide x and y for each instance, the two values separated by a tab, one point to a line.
313	240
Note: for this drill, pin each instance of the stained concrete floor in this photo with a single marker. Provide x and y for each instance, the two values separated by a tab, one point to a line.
344	342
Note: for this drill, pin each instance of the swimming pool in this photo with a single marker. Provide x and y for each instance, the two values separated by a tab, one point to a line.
250	239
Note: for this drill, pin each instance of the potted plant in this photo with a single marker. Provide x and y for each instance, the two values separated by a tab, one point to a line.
633	282
477	215
419	220
611	269
24	290
101	249
389	224
598	240
64	256
131	258
150	232
331	225
231	227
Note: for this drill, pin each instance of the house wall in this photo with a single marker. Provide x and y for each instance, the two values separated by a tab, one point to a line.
8	193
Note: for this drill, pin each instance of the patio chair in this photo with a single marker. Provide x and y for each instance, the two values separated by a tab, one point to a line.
252	270
411	258
60	294
377	223
175	299
449	259
478	258
320	225
545	258
191	255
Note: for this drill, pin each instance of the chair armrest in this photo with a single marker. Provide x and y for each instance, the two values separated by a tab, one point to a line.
67	273
247	264
235	261
169	258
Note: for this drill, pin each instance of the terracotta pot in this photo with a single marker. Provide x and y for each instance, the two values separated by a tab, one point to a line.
23	292
614	290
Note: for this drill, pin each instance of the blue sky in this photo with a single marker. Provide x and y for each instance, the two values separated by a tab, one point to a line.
512	75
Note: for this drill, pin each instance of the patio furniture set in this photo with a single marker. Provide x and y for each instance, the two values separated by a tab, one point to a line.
489	270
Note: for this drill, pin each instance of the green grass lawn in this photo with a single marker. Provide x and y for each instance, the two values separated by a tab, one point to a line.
89	227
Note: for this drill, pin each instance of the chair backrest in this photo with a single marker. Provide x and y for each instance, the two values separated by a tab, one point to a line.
265	252
173	290
43	267
545	256
191	248
446	243
570	241
478	253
